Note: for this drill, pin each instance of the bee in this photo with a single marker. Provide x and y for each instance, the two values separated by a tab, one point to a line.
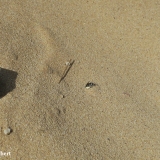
90	85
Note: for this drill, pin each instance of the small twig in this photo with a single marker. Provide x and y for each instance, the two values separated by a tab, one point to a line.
66	70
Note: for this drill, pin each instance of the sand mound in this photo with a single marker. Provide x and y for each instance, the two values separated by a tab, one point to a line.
114	46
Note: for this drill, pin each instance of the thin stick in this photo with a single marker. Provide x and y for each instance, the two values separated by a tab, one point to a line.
66	70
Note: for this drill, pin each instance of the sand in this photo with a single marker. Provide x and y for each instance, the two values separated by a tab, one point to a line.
115	45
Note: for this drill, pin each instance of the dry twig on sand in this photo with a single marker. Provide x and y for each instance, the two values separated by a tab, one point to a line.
68	67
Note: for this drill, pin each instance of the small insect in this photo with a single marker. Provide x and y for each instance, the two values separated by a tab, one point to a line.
90	85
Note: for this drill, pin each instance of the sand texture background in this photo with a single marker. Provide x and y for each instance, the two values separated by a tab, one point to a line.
115	44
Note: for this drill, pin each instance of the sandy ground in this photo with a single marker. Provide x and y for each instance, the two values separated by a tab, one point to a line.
115	44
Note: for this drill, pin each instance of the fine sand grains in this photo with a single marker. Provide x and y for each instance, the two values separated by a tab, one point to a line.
104	107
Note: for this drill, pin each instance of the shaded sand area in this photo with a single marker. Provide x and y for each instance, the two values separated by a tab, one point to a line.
114	44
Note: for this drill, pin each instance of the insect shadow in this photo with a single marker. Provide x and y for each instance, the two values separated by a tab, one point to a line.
7	81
